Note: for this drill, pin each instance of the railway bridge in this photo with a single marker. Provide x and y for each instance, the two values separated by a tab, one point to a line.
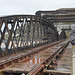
31	45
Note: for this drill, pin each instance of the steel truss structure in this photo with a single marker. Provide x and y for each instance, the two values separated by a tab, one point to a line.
18	32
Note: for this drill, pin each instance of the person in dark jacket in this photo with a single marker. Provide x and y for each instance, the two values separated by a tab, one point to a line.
72	36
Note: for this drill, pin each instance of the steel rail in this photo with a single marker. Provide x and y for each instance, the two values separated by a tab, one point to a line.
18	58
37	68
65	56
49	60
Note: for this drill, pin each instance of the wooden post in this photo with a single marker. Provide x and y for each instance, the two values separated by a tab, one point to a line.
73	60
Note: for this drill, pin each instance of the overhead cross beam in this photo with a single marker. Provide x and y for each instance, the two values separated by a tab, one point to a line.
61	15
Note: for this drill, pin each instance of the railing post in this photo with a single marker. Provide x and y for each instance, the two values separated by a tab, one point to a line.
73	60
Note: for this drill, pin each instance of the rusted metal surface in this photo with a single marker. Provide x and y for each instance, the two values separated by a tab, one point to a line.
63	65
9	60
19	32
33	64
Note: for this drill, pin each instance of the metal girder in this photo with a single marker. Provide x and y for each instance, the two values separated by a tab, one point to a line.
21	31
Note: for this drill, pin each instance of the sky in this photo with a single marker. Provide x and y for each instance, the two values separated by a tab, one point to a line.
29	7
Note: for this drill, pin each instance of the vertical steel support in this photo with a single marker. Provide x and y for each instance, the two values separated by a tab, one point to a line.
37	32
33	32
28	32
40	30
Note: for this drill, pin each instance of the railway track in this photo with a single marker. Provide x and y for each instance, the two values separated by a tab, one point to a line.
54	52
14	58
34	61
62	65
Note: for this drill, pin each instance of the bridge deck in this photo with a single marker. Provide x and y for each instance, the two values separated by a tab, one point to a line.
10	59
20	54
34	61
66	60
64	64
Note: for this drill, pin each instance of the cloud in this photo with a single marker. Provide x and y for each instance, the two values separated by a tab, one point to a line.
10	7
